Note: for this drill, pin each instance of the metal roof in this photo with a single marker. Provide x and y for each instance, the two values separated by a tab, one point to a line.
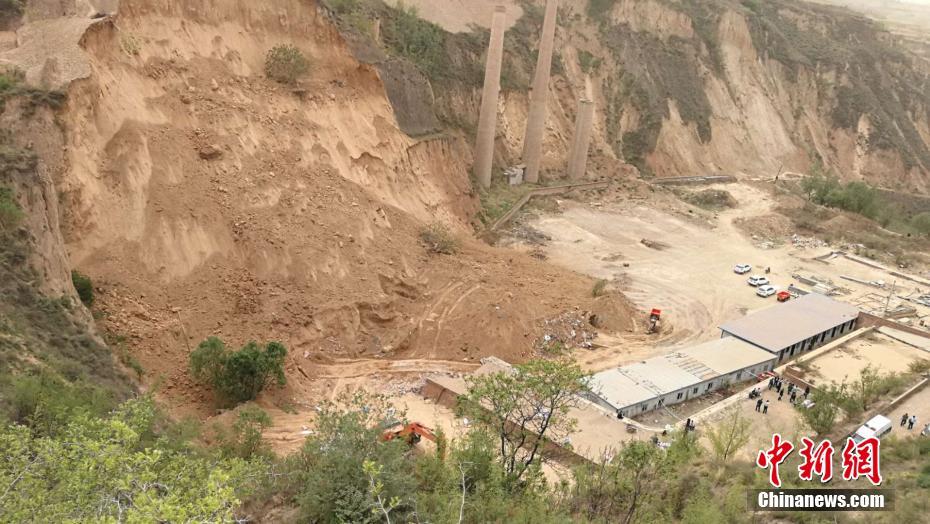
725	355
634	383
787	323
618	389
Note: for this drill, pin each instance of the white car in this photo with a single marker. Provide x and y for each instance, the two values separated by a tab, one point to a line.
742	269
766	291
756	280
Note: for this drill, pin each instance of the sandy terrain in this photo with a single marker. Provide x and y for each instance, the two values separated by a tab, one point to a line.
689	277
882	353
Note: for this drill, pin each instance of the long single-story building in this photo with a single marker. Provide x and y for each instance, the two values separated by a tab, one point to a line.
790	328
678	376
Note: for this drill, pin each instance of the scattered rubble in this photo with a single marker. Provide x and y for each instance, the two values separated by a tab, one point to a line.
569	330
807	242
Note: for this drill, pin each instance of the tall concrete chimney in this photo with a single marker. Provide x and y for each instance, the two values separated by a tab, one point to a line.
487	120
578	158
536	117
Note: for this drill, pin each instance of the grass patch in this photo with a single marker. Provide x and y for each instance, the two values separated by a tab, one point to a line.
438	239
84	287
499	199
42	337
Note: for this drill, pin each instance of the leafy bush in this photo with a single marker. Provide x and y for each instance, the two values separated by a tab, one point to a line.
285	63
418	40
84	287
245	440
240	375
105	470
857	197
439	239
921	222
10	213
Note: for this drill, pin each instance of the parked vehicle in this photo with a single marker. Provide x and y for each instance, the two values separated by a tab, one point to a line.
878	426
757	280
742	269
765	291
783	296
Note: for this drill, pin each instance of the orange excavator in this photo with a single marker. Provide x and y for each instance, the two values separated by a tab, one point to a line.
412	433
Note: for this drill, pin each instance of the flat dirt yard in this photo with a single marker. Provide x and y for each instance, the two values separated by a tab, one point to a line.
874	349
668	259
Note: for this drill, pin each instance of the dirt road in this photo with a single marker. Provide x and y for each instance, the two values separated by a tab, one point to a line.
686	269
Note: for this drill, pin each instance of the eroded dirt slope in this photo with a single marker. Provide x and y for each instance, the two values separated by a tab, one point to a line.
204	199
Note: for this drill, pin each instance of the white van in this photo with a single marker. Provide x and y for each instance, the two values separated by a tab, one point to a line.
878	426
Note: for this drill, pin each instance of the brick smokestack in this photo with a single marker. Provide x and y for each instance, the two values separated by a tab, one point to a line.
578	158
487	119
536	117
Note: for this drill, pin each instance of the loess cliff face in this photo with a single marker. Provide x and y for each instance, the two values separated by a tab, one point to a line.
738	87
204	199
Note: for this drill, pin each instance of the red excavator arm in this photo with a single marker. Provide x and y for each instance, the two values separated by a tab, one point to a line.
411	432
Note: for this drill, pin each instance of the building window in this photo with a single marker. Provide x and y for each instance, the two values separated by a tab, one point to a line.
739	375
695	391
710	385
645	407
680	395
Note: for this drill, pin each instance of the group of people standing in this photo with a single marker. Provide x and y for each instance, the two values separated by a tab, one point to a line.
909	421
779	385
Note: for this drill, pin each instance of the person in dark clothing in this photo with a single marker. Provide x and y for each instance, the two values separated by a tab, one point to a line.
903	419
759	405
780	395
807	391
794	397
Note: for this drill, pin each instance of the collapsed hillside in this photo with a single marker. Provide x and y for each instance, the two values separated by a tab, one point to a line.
205	199
685	88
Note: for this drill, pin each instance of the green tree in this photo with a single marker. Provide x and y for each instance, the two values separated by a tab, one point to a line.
525	408
334	485
240	375
821	416
729	436
102	470
286	64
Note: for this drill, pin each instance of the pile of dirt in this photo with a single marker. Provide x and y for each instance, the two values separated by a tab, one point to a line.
770	227
204	199
711	199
